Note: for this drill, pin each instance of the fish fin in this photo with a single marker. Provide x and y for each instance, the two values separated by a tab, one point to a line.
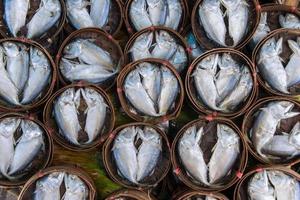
294	46
279	46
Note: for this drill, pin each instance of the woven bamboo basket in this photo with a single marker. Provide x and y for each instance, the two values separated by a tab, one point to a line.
130	194
196	194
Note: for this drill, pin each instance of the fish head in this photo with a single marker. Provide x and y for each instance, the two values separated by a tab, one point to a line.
133	79
260	182
163	38
74	184
11	49
144	41
91	96
230	4
150	135
263	18
210	63
279	179
191	137
68	95
246	78
53	6
127	135
269	49
9	125
38	58
290	18
282	109
294	137
52	181
227	136
30	129
73	49
227	62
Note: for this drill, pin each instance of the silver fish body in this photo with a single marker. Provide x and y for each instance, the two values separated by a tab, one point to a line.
239	93
174	14
65	114
157	11
225	153
8	127
204	76
78	14
149	152
211	18
271	67
100	12
138	14
292	71
262	30
289	21
76	189
137	95
28	147
95	113
141	46
191	154
179	59
169	91
259	187
124	153
48	188
165	46
39	75
17	63
46	16
15	12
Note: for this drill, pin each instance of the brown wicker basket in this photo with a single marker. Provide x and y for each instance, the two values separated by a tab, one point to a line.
42	160
203	39
131	29
159	173
192	93
293	3
285	125
286	34
102	39
240	192
210	125
4	107
52	126
180	40
115	20
46	39
187	195
29	187
130	194
126	105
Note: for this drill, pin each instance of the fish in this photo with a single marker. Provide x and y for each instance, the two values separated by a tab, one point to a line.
262	30
179	60
169	91
46	17
137	95
238	13
78	14
211	18
74	71
149	152
15	12
8	91
197	50
65	114
239	93
165	46
99	12
271	67
139	15
259	187
191	154
39	75
30	143
266	122
95	113
284	146
89	53
204	81
292	71
228	76
151	79
76	189
290	21
283	184
17	63
157	10
141	45
125	154
225	153
174	14
48	188
8	127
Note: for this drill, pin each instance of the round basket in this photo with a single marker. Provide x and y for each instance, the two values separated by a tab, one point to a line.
131	29
42	160
210	125
130	194
203	39
115	20
192	93
151	181
103	40
53	127
195	194
29	188
240	192
126	104
285	34
285	125
37	103
49	37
